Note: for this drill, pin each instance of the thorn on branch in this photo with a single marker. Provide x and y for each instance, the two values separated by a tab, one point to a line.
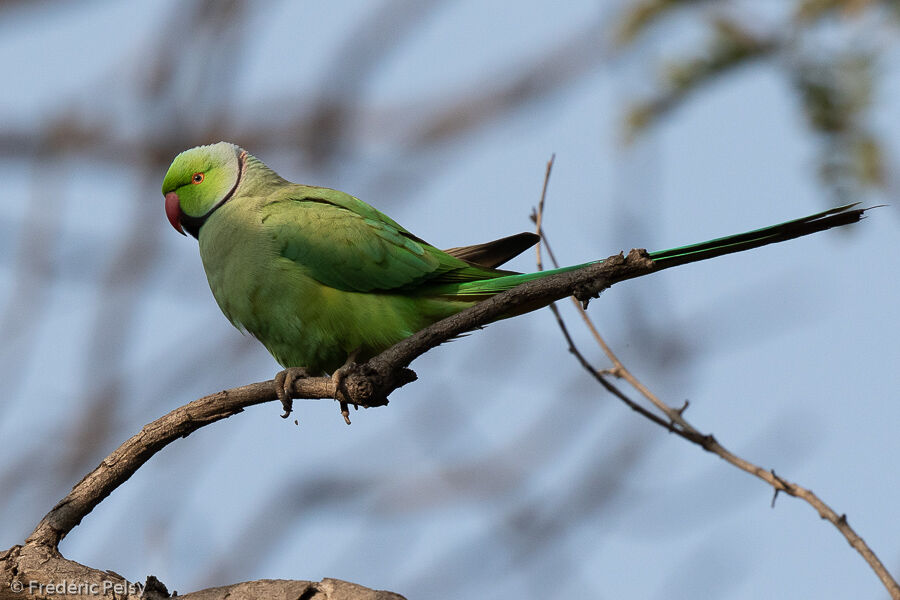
680	411
781	482
785	487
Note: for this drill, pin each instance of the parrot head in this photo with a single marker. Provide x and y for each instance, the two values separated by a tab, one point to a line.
199	181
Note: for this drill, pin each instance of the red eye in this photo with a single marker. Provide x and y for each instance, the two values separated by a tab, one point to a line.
197	178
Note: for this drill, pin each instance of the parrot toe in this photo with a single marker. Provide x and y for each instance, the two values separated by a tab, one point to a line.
284	385
340	391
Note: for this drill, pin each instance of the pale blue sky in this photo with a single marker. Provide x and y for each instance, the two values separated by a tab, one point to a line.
504	471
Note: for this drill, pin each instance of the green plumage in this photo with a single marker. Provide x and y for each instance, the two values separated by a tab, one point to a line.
316	274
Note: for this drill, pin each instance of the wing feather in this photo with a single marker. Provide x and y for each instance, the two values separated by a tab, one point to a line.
348	245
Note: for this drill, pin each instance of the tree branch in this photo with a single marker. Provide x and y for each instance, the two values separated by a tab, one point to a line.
367	385
36	571
674	420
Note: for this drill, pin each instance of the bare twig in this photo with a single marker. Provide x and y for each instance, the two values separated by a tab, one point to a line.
675	422
116	468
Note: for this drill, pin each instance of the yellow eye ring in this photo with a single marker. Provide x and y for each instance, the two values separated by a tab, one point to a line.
197	178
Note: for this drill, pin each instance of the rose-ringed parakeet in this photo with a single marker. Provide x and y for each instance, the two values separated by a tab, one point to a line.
319	276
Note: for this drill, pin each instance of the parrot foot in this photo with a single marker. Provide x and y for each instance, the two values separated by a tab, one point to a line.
284	385
340	390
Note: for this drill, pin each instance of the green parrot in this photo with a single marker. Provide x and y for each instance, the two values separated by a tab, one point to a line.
322	278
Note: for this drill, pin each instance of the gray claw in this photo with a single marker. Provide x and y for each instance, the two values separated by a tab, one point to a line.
339	390
284	387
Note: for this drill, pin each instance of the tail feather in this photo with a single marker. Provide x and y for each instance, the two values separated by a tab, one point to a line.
493	254
835	217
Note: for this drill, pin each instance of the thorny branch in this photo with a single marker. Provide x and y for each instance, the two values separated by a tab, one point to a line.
675	422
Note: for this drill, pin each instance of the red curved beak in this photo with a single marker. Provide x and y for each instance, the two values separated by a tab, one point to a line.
173	211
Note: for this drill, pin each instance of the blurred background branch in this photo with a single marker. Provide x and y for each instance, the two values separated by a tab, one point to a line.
830	50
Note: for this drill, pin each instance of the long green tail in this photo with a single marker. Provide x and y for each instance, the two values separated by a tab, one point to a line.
834	217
